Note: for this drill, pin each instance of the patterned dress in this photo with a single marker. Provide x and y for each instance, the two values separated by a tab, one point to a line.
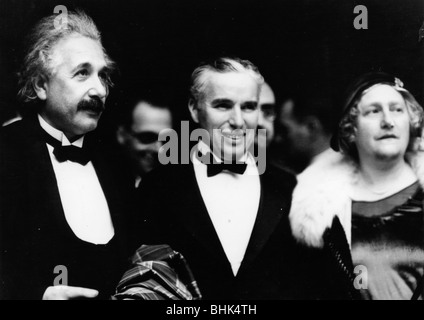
388	245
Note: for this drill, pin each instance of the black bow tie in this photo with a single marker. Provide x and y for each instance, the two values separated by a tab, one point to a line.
71	153
216	168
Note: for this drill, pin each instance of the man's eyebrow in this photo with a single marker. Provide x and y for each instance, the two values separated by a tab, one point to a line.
87	65
84	65
268	105
373	105
251	102
221	101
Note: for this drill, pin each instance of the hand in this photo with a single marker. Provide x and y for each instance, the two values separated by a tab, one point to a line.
68	293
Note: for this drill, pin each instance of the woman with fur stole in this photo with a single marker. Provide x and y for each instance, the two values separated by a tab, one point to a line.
363	204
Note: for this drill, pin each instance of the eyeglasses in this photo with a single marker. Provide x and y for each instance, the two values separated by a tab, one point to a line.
146	137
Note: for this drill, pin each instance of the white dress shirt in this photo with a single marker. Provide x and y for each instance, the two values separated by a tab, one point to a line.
84	203
232	201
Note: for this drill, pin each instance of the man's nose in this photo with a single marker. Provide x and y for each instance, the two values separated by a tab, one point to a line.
236	119
98	88
157	145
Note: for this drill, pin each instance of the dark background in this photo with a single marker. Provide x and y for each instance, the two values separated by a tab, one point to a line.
311	44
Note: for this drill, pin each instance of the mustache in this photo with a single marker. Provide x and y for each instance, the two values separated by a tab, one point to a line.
94	105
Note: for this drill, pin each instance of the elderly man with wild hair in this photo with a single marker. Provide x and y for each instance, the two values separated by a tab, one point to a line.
64	199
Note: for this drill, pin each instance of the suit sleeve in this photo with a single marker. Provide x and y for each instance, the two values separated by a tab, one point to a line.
152	197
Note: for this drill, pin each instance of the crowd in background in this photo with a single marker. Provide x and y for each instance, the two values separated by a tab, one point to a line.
342	187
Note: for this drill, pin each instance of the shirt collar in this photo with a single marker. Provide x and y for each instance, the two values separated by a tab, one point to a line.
59	135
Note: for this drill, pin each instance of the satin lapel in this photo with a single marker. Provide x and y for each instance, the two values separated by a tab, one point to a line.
195	217
272	208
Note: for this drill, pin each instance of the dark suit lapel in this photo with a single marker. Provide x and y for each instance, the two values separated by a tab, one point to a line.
118	188
272	207
196	218
106	177
43	191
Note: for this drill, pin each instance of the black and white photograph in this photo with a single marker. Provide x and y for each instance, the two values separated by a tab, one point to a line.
224	153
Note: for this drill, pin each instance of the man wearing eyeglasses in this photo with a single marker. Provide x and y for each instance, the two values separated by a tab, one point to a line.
138	135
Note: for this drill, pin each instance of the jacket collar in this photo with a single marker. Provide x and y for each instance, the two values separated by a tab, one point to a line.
273	206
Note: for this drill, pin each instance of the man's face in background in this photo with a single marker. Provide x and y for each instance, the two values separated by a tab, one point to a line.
292	142
140	141
266	113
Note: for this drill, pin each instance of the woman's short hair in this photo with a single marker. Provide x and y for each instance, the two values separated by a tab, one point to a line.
344	138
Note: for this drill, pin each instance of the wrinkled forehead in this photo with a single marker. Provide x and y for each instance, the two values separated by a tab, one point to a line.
76	50
147	117
232	85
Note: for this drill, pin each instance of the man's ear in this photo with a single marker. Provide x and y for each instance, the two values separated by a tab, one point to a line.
313	125
40	87
194	112
121	135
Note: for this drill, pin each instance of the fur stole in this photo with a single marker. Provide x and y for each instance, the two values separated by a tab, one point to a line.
323	192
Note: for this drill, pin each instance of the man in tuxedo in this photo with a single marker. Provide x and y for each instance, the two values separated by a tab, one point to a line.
229	221
63	195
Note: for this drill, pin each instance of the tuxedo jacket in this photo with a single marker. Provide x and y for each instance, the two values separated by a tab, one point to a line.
175	214
36	241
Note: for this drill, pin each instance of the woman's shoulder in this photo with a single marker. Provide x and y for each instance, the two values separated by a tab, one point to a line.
322	193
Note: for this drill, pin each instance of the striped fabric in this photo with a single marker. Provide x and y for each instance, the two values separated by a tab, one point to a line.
158	273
